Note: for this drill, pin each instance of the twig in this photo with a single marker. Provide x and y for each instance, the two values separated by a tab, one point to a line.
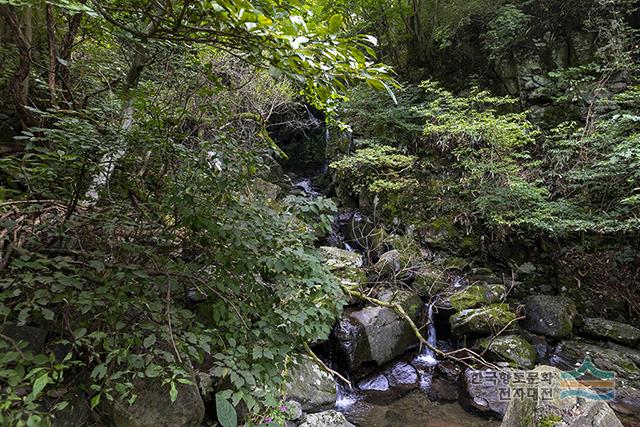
324	366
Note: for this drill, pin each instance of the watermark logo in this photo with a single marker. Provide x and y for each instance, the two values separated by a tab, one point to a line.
588	382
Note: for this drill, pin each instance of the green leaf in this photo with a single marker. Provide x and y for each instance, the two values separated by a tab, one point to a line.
40	384
335	23
173	393
95	400
226	413
149	341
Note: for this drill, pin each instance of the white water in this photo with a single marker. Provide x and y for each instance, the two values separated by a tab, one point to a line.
426	360
345	397
427	357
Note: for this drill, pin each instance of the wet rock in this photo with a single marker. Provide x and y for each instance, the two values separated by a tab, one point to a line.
477	295
326	419
610	330
539	344
569	411
549	315
448	370
153	407
481	321
377	334
310	386
375	388
512	349
443	391
402	376
482	394
624	361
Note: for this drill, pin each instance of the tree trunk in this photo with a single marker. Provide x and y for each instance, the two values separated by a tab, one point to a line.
109	160
53	57
19	84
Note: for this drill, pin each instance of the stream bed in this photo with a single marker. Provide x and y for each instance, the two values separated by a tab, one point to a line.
413	410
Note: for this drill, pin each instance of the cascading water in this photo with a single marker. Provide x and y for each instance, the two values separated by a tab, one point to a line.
426	360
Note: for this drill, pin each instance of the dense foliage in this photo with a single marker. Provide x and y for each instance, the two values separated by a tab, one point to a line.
139	229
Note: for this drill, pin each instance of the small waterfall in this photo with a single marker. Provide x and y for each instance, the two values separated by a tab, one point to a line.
428	357
426	360
345	397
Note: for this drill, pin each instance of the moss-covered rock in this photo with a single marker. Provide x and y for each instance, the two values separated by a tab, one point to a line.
610	330
429	280
310	386
481	321
512	349
549	315
567	412
477	295
624	361
345	265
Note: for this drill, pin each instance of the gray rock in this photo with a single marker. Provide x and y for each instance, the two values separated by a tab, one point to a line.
610	330
624	361
345	265
375	388
377	334
566	412
482	394
389	264
549	315
402	376
309	385
481	321
153	407
294	410
326	419
512	349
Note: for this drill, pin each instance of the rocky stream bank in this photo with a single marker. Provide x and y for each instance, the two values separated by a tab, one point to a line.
463	310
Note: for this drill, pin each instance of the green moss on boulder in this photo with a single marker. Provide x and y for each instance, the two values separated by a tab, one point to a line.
512	349
477	295
481	321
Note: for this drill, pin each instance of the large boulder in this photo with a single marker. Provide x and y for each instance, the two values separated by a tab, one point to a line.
476	296
610	330
310	386
429	280
549	315
153	407
345	265
326	419
482	321
624	361
377	334
566	412
482	391
512	349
